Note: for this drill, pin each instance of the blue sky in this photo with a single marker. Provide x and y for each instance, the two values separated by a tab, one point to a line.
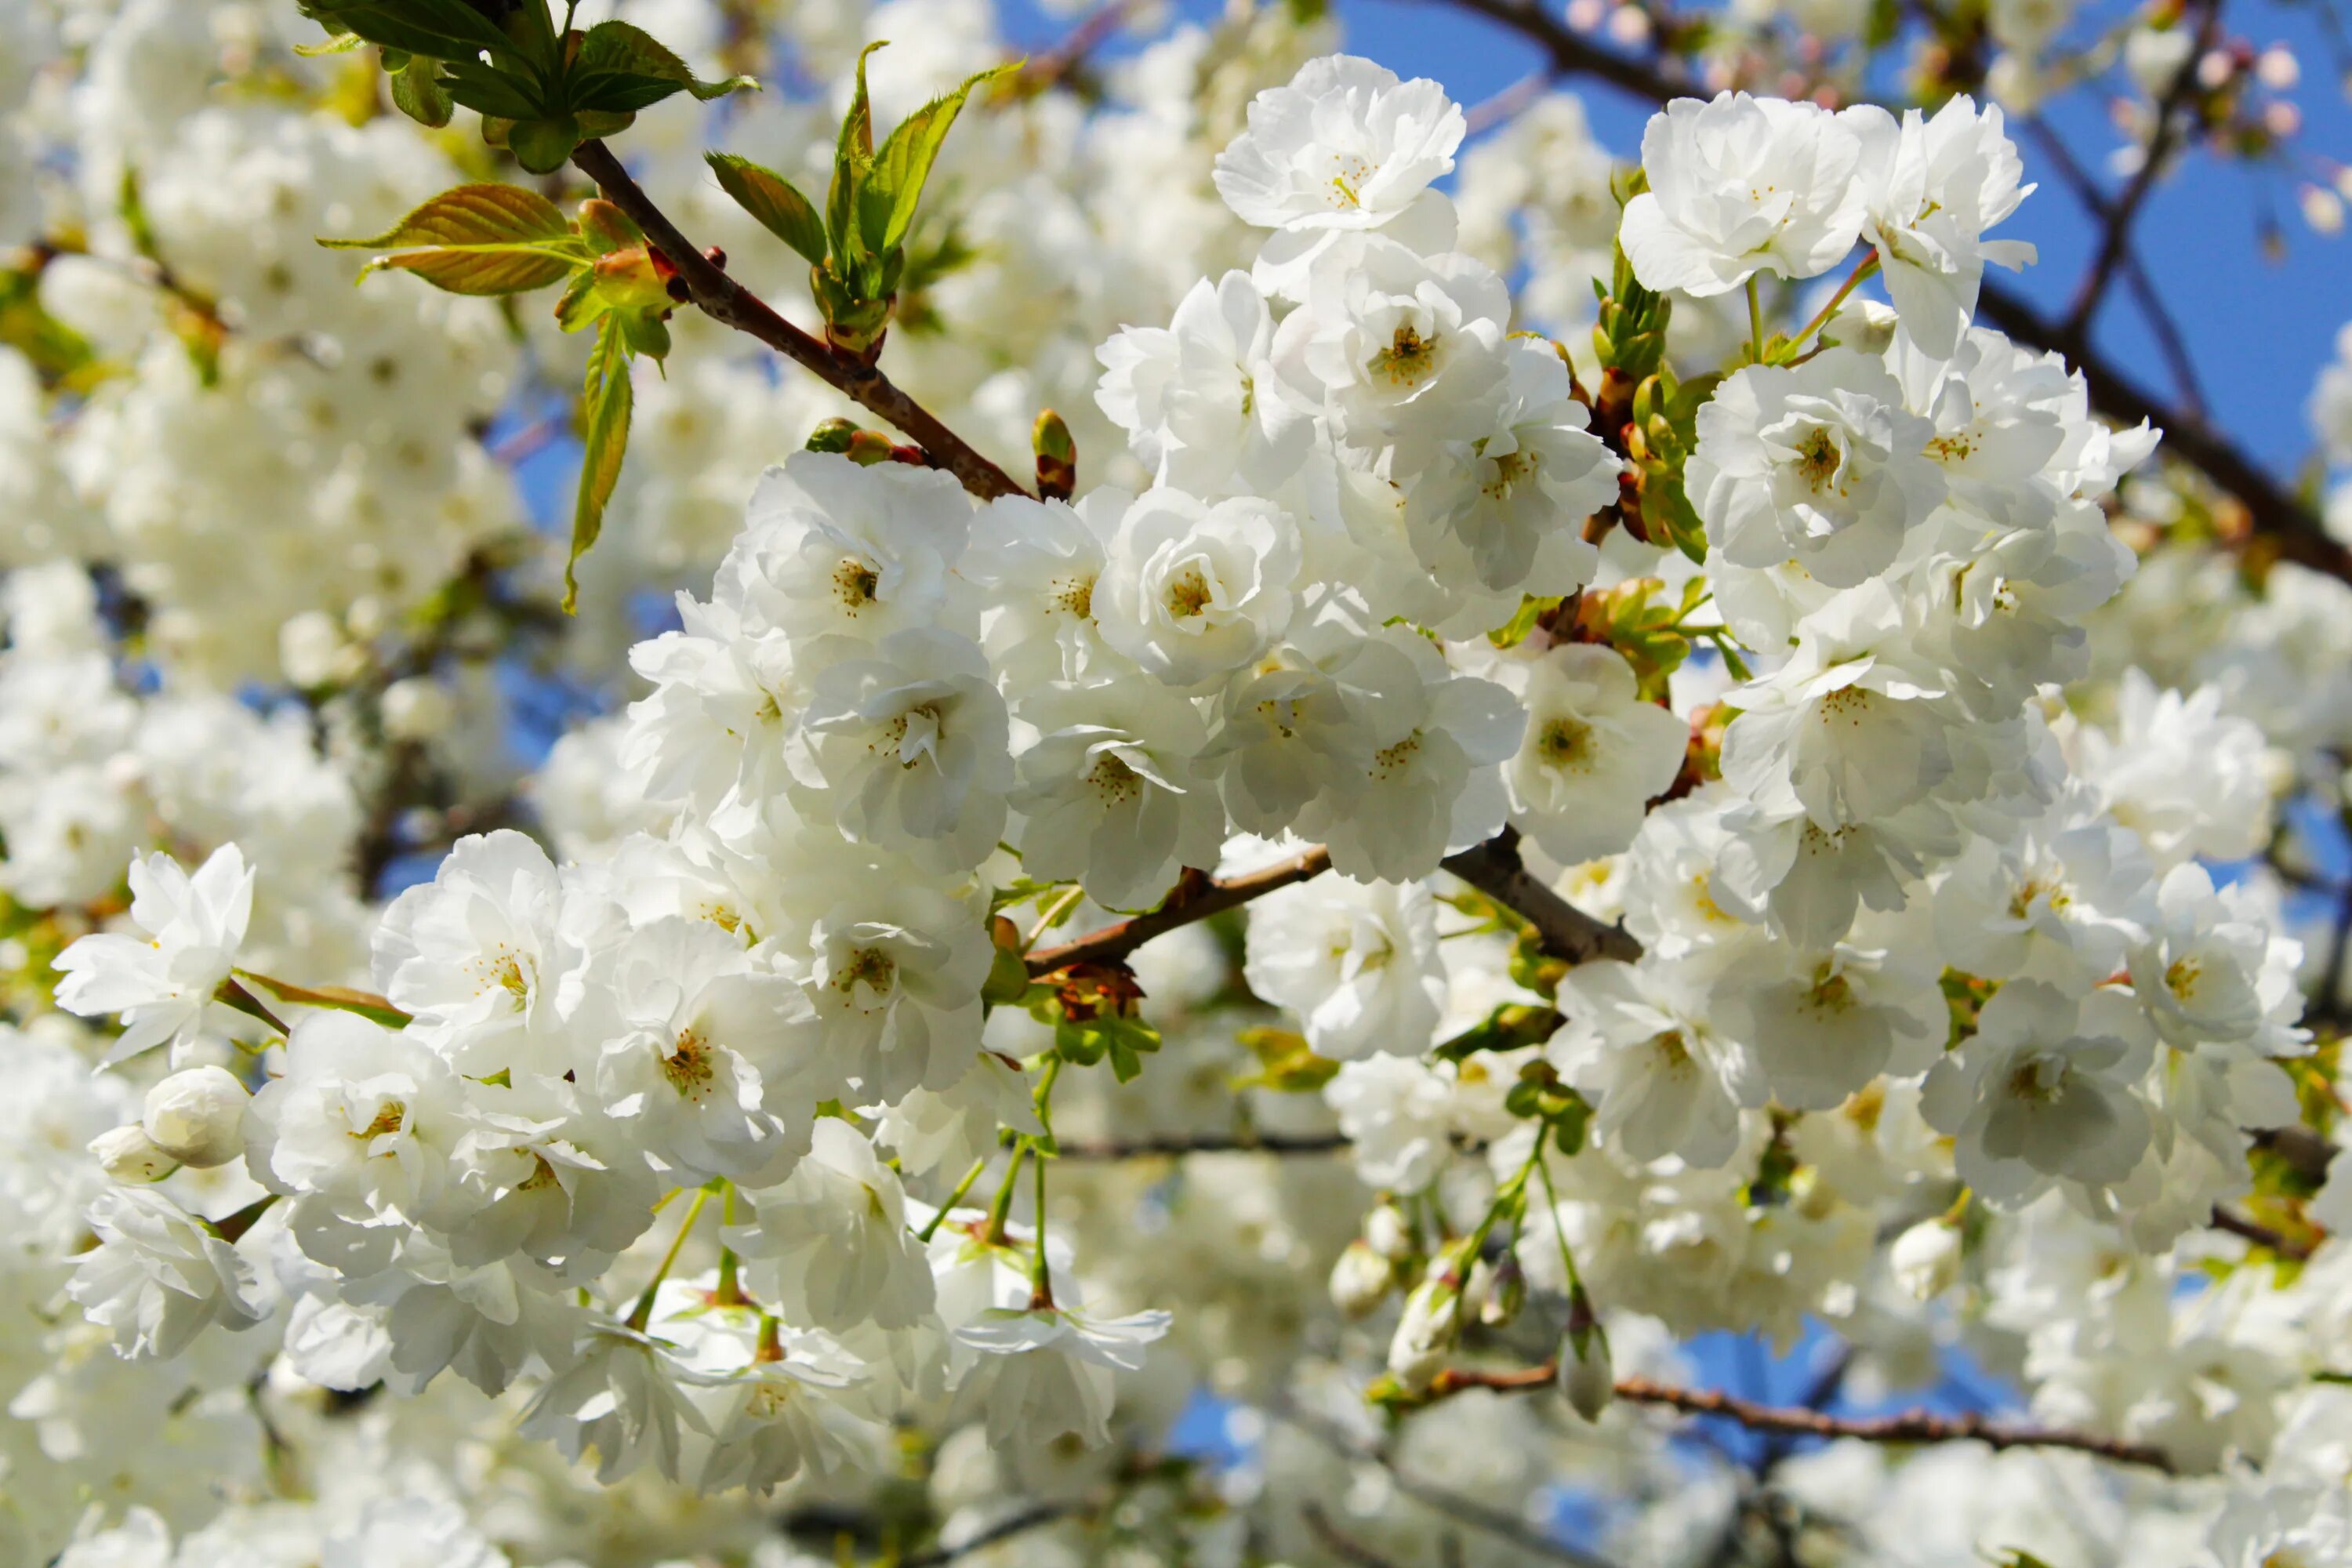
2258	331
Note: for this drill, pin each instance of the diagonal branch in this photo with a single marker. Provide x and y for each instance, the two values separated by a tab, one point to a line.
727	302
2161	321
1195	900
2291	530
2115	241
1909	1426
1493	868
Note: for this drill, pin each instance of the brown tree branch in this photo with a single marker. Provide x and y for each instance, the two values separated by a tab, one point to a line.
2152	309
1495	869
727	302
1178	1144
1188	903
2290	530
2115	241
1909	1426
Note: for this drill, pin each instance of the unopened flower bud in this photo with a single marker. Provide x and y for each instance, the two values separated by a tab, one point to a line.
1507	1292
1926	1260
198	1117
1389	1233
1057	456
1426	1331
128	1154
1588	1376
416	708
1361	1279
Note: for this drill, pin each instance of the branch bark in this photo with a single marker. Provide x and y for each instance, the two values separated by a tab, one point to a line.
1495	869
730	304
1184	906
1909	1426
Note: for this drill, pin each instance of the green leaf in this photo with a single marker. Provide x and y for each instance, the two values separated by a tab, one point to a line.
623	68
852	155
905	160
605	437
479	239
543	146
486	90
443	29
417	92
767	196
341	998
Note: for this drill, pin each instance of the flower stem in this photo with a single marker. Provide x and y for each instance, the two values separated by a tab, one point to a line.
1863	269
998	1210
643	1313
1755	321
955	1197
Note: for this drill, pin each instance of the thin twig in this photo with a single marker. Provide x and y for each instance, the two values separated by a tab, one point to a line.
727	302
1176	1145
2161	321
2125	210
1035	1517
2261	1235
1909	1427
1345	1548
1453	1505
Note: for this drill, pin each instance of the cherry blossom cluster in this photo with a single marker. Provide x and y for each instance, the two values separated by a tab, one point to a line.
1769	841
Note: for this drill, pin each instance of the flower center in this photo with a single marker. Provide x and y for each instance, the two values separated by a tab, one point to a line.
388	1117
1818	459
688	1067
1565	744
1189	593
855	581
1406	359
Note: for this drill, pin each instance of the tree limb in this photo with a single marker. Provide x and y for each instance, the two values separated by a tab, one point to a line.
1188	903
2114	240
727	302
1176	1145
1909	1426
1496	870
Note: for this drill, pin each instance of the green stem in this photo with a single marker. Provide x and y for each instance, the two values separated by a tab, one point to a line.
998	1210
1054	912
1551	1195
1041	1278
643	1313
1510	1196
1755	319
1863	269
955	1197
730	1291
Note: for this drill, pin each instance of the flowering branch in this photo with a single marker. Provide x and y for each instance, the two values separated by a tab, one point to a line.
2288	526
1176	1145
727	302
1909	1427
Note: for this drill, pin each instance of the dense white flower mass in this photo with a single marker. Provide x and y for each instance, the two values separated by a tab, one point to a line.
1236	1006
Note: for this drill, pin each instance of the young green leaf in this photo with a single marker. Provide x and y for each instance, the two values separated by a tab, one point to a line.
441	29
488	89
417	92
774	201
479	239
905	160
853	156
543	146
621	68
605	435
